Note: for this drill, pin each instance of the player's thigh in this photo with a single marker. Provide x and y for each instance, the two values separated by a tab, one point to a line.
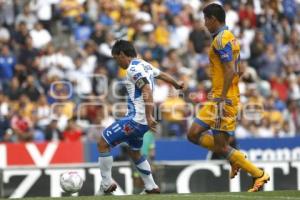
206	115
226	127
203	121
226	120
135	143
135	139
197	129
115	134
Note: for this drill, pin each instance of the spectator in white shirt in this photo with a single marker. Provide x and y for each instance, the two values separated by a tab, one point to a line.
7	13
43	112
232	18
81	81
27	17
179	34
43	11
4	35
89	57
49	59
265	130
40	36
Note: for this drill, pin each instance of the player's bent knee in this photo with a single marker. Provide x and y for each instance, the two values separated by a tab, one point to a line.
193	137
135	155
195	133
103	146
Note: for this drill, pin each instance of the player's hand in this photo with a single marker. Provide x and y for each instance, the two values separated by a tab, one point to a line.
179	85
152	123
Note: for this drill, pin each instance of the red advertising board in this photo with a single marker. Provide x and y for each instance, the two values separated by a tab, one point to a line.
41	154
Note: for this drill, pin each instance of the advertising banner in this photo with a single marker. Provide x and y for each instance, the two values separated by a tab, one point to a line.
41	154
257	149
263	149
47	154
172	177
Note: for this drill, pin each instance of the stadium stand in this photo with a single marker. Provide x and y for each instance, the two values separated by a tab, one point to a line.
55	64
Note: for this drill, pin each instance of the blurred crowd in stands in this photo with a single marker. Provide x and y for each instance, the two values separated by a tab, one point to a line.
58	80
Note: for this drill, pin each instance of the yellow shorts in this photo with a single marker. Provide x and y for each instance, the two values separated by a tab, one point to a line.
213	117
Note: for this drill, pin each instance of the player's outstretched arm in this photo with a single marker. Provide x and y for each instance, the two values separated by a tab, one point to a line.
169	79
149	106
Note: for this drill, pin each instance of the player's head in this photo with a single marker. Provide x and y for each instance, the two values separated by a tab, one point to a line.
214	16
123	51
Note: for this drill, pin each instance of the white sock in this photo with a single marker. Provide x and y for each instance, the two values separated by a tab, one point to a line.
144	169
106	161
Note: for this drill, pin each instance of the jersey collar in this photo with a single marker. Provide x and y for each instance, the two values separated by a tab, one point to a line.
133	61
219	30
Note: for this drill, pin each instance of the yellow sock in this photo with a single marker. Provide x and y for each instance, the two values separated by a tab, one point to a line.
238	158
207	141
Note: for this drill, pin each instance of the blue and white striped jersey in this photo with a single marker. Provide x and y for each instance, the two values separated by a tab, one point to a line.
136	106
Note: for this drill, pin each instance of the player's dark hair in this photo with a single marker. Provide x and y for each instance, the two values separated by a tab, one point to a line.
123	46
215	10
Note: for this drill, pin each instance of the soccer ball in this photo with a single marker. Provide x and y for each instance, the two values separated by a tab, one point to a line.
71	181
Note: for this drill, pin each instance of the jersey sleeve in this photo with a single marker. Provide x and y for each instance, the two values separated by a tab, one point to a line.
223	47
136	73
156	71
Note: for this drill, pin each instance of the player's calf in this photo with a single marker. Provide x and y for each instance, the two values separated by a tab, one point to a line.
105	164
144	169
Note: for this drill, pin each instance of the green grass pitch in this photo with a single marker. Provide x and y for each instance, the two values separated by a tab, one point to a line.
276	195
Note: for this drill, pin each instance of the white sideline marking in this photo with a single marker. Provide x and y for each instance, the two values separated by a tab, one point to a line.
239	196
253	196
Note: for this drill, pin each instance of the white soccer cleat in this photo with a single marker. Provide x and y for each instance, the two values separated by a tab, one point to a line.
102	191
153	191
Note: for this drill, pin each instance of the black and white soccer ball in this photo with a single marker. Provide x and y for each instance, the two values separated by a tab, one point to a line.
71	181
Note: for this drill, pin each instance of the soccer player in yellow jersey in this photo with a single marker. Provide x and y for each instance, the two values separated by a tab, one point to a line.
220	113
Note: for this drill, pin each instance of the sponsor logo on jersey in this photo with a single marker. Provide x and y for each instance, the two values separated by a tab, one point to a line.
127	129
